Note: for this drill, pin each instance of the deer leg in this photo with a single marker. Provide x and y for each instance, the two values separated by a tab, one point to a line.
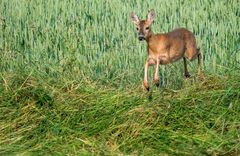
186	73
145	82
156	78
199	55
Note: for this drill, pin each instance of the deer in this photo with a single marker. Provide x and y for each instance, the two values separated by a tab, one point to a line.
166	48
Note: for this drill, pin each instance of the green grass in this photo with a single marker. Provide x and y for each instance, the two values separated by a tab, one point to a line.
71	75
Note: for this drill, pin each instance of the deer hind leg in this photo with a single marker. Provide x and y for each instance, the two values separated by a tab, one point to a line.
199	55
186	73
191	48
192	53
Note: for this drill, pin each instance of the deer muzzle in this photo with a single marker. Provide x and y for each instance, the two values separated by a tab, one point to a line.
141	37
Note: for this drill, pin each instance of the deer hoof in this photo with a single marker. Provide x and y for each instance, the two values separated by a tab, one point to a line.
187	75
157	82
200	78
147	89
145	85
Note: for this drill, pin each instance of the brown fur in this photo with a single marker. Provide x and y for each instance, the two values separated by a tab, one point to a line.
166	48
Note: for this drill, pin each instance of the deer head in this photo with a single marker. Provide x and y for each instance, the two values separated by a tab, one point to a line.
143	26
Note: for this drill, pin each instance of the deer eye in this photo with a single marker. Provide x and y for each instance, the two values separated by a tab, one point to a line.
147	28
137	28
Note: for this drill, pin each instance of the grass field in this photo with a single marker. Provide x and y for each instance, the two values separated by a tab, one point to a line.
71	80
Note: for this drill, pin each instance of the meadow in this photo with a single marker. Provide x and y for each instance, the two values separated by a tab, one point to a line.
71	76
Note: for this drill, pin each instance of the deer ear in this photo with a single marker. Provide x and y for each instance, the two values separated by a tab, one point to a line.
151	15
134	18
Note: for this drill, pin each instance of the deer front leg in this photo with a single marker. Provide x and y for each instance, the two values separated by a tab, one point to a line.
150	61
156	78
145	82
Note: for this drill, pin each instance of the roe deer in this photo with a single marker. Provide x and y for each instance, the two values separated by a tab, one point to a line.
166	48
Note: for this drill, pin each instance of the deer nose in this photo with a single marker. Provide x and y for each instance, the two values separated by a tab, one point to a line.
141	37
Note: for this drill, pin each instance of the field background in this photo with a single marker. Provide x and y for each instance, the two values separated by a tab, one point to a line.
71	79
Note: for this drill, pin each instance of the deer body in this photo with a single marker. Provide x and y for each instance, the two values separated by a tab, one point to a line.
166	48
170	47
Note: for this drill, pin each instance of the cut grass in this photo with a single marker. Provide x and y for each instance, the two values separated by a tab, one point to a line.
74	116
98	38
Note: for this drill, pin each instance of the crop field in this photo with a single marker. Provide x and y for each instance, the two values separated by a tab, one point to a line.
71	74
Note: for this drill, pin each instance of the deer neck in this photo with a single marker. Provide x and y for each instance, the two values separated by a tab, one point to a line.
150	35
151	42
